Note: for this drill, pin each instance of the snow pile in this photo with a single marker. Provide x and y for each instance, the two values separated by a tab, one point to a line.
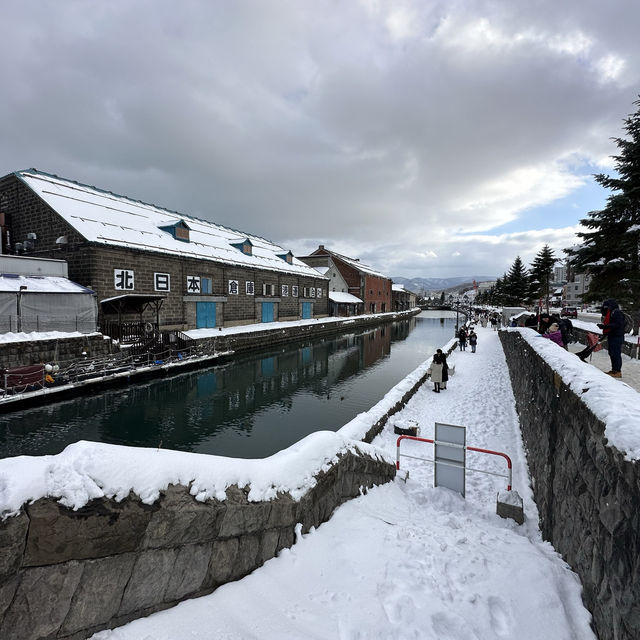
88	470
613	402
42	335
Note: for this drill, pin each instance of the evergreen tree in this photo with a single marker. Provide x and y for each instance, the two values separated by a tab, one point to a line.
609	252
542	275
497	291
517	284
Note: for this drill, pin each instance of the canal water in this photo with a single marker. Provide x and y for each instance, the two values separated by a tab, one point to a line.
250	407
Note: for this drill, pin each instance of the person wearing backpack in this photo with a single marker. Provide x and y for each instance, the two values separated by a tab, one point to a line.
473	340
612	326
566	329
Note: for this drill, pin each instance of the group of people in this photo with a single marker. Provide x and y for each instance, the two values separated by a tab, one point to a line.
558	330
612	325
464	337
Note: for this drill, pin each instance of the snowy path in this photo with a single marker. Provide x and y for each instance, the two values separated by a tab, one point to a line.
407	560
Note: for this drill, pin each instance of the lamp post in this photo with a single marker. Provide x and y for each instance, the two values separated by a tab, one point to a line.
19	306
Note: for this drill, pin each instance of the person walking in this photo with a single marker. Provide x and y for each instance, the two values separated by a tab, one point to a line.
473	340
612	326
445	369
462	339
435	371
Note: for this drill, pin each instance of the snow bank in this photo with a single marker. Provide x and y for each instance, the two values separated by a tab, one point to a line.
612	401
42	335
88	470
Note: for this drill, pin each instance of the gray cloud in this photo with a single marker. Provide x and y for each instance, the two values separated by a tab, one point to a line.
381	129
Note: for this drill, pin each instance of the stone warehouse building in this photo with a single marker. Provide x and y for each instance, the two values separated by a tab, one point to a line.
153	265
373	289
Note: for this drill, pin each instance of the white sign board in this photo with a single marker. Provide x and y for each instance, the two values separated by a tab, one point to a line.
450	457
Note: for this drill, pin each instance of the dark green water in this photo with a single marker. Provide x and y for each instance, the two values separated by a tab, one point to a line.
248	408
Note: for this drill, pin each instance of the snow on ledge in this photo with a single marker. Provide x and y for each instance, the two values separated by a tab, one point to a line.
612	401
88	470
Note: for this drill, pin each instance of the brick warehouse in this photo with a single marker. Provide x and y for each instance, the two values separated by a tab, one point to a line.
165	268
363	282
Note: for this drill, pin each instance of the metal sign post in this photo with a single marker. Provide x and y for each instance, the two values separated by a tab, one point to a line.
450	457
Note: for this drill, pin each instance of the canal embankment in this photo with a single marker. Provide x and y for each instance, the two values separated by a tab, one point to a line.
91	363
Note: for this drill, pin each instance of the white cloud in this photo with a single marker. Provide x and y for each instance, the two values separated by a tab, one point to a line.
401	132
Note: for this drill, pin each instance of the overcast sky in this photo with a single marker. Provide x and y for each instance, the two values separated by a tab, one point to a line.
428	138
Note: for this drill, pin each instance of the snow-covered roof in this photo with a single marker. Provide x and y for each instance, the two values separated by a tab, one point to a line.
322	270
10	282
356	264
106	218
340	296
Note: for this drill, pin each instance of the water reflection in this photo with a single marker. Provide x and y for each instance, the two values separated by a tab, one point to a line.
251	407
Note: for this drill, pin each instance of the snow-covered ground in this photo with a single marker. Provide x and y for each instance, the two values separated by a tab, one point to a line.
408	560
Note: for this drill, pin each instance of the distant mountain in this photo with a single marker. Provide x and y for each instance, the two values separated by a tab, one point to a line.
440	284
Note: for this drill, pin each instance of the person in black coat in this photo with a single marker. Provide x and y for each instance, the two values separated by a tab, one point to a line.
445	369
612	326
462	339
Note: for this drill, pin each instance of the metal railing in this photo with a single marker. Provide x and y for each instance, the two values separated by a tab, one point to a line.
129	332
509	474
123	363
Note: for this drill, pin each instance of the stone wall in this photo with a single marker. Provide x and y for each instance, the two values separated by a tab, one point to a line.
270	337
18	354
588	496
69	574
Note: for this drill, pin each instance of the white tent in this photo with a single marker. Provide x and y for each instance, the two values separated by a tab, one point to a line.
45	303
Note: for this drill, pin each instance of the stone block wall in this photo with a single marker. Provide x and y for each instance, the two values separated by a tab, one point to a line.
588	496
269	337
18	354
69	574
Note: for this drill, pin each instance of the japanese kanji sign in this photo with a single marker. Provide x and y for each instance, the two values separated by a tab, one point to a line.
123	279
193	284
162	282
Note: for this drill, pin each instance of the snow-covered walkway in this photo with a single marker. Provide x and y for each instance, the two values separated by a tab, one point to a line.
408	560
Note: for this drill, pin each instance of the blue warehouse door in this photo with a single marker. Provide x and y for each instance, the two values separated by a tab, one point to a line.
205	315
306	310
267	311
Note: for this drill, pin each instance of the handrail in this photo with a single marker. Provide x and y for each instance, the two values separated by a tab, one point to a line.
509	476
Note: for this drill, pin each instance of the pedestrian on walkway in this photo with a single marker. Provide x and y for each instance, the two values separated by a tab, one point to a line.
445	369
462	339
435	371
494	322
473	340
612	326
